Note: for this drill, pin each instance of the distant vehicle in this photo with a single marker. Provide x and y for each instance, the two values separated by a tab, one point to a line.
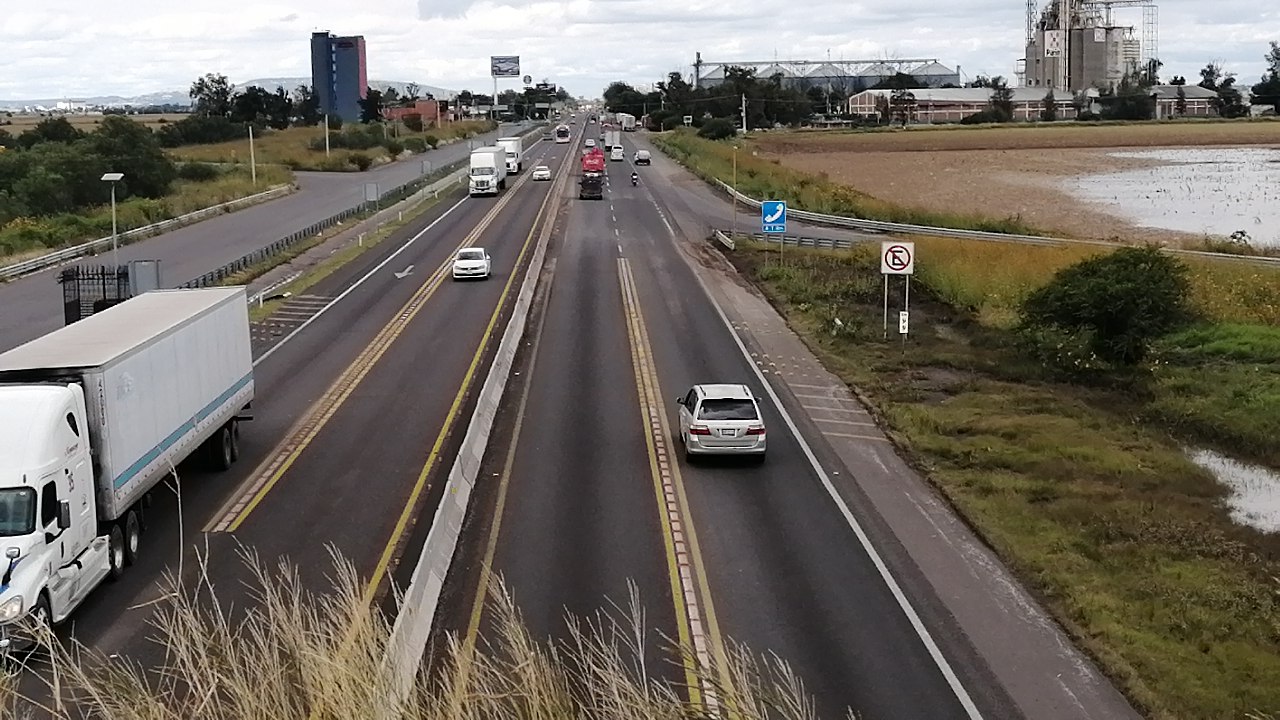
93	417
488	174
472	262
542	172
721	419
590	143
641	157
627	121
617	153
562	133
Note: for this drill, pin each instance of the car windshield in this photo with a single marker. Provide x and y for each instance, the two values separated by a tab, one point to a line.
482	171
470	254
542	168
17	512
727	409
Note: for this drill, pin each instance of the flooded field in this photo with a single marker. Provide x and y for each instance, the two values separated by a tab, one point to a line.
1212	191
1255	490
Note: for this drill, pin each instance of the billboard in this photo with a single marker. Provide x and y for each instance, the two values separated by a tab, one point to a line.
1055	42
504	66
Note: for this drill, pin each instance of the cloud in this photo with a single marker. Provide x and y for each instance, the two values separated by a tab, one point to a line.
154	45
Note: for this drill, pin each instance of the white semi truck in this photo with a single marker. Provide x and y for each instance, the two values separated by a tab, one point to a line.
92	417
488	170
514	147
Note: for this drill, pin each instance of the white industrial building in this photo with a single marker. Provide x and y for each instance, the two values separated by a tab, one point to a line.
837	76
950	105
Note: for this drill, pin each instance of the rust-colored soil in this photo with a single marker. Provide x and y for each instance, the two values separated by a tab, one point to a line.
1001	172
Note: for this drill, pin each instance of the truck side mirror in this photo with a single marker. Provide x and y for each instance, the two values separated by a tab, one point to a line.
64	515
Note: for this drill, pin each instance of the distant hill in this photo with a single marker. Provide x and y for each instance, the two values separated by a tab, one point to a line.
179	97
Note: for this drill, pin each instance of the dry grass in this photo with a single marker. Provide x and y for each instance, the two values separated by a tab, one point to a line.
1079	489
26	237
1022	136
296	655
293	147
17	123
991	279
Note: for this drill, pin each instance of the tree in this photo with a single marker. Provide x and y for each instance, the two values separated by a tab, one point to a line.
981	81
50	130
1114	304
1211	76
1049	111
306	106
902	104
211	96
371	107
132	148
413	122
898	81
1230	102
1180	104
1001	99
411	93
1267	92
1178	80
1130	99
717	129
251	105
1151	72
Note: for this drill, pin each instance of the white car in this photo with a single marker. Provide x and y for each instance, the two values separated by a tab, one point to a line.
721	420
590	143
641	157
542	172
471	262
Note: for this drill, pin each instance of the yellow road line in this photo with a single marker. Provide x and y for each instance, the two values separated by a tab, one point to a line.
269	473
402	523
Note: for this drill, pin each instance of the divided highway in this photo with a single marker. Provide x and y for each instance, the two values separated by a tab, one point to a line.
357	415
33	304
593	492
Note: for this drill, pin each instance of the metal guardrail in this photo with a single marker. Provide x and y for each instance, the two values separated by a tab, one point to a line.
879	226
390	197
57	257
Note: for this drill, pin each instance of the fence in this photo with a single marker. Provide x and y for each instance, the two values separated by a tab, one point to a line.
87	290
878	226
58	257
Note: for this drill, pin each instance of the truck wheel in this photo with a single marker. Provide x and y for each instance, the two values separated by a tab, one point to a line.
235	440
115	551
132	537
220	449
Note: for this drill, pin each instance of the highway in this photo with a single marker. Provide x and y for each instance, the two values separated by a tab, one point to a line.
587	503
33	304
365	404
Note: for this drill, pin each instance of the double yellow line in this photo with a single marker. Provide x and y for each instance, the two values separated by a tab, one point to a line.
697	627
269	473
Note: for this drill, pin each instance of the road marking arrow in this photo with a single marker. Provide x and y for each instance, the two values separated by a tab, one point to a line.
404	273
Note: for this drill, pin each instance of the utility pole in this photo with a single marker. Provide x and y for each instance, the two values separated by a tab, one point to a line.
744	112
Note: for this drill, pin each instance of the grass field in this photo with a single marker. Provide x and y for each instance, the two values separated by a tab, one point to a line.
1023	136
294	147
18	123
1084	491
26	237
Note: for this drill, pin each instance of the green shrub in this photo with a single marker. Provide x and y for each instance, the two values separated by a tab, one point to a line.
432	140
415	144
717	129
198	172
360	160
1115	304
394	147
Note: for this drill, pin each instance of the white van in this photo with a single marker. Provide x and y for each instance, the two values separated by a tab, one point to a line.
617	153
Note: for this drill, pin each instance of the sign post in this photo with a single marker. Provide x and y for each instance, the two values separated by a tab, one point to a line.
773	219
897	258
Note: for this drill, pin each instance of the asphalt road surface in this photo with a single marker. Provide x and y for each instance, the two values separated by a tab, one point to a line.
33	304
359	482
588	505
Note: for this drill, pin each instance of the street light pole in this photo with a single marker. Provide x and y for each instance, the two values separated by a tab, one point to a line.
735	193
113	178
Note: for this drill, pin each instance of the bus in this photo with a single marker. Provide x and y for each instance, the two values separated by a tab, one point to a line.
562	133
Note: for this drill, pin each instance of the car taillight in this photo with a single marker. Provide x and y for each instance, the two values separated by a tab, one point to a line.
695	430
755	431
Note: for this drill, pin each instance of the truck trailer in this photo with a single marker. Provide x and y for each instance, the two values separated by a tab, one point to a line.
93	416
514	146
488	173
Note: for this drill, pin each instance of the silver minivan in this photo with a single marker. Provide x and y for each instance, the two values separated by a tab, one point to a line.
722	420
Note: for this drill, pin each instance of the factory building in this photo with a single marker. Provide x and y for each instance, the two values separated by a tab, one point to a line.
841	77
1073	45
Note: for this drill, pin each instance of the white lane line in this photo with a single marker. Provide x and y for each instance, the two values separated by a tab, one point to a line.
845	422
903	602
856	437
357	283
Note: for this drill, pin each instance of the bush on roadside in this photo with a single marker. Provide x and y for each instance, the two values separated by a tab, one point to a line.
415	144
198	172
432	140
394	147
1110	306
298	654
360	160
717	129
413	121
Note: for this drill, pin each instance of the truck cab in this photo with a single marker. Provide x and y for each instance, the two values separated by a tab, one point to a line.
53	554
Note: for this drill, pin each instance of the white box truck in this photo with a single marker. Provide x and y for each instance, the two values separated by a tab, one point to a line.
488	170
627	121
514	147
92	417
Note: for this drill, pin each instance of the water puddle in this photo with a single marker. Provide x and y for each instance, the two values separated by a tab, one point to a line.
1213	191
1255	490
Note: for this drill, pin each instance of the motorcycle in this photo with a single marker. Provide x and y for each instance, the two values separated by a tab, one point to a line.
635	179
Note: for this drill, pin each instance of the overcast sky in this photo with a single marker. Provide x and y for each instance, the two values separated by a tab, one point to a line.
73	48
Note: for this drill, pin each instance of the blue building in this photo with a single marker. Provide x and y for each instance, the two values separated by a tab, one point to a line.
338	75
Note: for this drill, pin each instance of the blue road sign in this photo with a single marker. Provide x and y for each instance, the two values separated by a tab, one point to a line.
773	216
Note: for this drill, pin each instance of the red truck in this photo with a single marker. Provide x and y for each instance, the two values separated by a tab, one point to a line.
591	186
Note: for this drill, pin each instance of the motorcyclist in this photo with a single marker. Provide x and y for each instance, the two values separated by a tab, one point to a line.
635	178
